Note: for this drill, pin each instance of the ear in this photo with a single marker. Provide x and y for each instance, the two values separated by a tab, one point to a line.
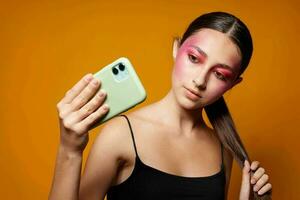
237	81
176	45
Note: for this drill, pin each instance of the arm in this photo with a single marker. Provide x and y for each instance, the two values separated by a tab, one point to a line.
66	178
106	155
78	110
101	167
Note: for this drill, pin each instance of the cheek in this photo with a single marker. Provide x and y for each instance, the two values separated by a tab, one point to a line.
218	89
178	71
179	68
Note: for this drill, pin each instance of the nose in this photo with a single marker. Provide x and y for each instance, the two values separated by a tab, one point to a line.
199	86
200	80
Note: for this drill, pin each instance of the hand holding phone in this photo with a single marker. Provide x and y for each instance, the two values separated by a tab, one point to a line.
81	106
96	99
123	86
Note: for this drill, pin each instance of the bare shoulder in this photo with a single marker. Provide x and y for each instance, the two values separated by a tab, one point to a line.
114	136
106	155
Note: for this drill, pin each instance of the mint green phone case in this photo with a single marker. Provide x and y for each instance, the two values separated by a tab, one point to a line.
123	87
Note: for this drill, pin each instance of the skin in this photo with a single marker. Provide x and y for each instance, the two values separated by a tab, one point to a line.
170	134
205	71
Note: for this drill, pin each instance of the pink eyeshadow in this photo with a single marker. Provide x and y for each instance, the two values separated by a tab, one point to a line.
225	72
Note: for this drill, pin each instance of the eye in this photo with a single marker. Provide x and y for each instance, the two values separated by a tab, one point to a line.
193	58
220	76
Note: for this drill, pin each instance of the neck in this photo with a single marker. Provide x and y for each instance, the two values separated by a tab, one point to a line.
185	121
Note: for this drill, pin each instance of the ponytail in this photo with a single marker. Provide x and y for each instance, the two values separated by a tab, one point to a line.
221	120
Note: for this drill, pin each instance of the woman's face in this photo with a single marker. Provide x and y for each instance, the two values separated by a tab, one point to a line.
207	59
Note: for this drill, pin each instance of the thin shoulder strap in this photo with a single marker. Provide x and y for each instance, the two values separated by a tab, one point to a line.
131	134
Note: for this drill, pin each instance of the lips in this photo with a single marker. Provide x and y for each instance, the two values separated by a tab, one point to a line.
194	92
191	94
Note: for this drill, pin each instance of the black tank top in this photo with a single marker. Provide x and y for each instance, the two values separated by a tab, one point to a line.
148	183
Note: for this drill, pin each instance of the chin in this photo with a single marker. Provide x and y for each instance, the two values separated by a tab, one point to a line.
188	104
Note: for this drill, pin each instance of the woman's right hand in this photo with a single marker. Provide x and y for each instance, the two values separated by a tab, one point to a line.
78	110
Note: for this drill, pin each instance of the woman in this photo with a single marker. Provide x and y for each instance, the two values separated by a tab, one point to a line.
164	150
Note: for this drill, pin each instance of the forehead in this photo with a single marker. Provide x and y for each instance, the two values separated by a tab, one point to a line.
218	46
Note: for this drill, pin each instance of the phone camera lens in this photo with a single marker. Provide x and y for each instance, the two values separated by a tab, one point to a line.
115	71
121	67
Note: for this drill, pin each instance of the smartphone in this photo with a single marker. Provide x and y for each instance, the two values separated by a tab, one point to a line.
123	88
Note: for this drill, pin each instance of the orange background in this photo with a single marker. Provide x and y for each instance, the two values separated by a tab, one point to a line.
47	46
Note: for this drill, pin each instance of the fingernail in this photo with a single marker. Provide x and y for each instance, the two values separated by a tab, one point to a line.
102	93
246	163
259	192
95	82
88	77
105	107
254	189
252	181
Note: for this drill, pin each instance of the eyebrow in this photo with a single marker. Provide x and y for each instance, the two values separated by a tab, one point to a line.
206	56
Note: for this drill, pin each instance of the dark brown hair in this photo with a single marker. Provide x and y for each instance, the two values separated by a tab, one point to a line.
217	112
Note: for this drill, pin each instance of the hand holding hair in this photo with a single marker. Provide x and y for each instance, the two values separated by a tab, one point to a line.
252	175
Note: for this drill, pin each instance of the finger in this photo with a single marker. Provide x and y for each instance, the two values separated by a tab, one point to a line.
261	182
254	165
77	88
257	175
92	105
92	118
265	189
86	94
245	186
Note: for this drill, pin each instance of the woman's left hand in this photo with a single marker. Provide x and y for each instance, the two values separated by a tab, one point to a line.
259	179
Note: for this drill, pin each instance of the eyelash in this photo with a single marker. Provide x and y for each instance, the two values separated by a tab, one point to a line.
194	59
220	76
